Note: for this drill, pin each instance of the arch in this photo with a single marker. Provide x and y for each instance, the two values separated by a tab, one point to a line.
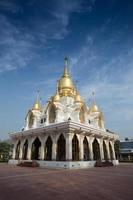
75	148
96	150
17	150
86	149
35	151
82	115
25	149
52	114
61	148
111	151
105	151
48	149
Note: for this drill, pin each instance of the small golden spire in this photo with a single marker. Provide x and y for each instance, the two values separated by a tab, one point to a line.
57	96
37	104
94	107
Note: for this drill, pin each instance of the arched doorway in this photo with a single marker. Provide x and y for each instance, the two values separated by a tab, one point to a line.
75	148
35	152
25	149
96	150
61	148
48	149
111	151
86	149
17	150
105	151
52	114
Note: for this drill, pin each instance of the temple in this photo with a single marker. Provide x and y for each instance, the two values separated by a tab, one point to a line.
65	132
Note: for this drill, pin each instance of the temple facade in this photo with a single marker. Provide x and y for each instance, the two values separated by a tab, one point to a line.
65	132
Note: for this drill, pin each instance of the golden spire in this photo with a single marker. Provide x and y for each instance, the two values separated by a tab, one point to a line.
37	104
57	96
65	86
94	107
77	96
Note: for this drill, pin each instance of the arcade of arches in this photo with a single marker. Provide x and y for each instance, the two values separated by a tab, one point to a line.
72	147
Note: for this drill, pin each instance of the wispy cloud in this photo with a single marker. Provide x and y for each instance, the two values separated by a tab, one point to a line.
20	43
9	5
110	76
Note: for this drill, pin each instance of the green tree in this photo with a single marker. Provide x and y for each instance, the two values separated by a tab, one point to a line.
4	151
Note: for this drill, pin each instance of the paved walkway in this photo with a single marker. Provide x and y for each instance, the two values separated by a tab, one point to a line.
108	183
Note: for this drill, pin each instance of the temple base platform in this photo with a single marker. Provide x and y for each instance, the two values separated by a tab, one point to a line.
61	164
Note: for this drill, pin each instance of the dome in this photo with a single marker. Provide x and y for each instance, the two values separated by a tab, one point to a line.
94	108
56	98
78	98
37	104
65	82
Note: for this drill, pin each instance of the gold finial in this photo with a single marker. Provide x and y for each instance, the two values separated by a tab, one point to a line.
66	62
93	96
57	85
66	73
37	104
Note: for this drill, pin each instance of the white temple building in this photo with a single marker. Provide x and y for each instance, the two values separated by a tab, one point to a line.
64	133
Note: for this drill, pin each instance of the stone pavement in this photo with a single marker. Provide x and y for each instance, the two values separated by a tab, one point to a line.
107	183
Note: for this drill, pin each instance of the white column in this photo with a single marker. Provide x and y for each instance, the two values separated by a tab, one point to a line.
101	149
43	140
90	141
14	151
29	150
113	150
54	147
107	146
42	151
21	152
69	137
81	147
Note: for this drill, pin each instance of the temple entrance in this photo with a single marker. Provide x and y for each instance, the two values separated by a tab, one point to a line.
17	150
96	150
75	148
35	152
105	151
25	149
48	149
61	148
111	151
86	149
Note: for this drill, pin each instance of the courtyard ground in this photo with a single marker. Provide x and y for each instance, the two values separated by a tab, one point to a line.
109	183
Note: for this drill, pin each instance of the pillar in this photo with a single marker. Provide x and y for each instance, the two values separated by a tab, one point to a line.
81	147
14	150
42	151
113	149
29	150
54	147
101	149
90	141
107	146
69	137
21	151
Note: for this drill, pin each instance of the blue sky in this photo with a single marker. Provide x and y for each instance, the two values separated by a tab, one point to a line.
96	35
